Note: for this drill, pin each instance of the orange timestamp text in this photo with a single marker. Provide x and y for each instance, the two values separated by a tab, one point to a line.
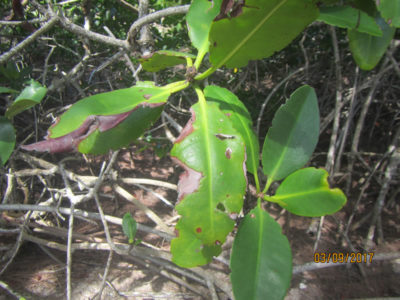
340	257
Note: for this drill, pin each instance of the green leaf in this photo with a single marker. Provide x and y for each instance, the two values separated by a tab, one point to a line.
367	6
390	11
129	227
241	121
29	97
306	193
368	50
263	28
293	135
261	260
5	90
7	139
106	121
350	18
212	154
163	59
199	19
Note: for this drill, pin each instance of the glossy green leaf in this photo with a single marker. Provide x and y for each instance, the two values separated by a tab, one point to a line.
390	11
262	28
367	6
110	103
293	135
261	260
163	59
30	96
368	50
350	18
241	121
5	90
7	139
306	192
129	227
199	19
106	121
212	187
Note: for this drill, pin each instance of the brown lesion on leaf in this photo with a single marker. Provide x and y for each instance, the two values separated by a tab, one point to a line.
71	141
228	153
231	9
222	136
147	96
189	181
188	129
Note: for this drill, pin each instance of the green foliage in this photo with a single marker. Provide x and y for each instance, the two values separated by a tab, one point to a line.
263	28
129	227
293	136
231	105
217	145
162	59
368	50
350	18
390	11
30	96
261	260
306	193
212	153
199	19
7	139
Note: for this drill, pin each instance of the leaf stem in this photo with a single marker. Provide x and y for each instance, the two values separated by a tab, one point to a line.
267	185
176	86
206	73
200	94
257	181
199	58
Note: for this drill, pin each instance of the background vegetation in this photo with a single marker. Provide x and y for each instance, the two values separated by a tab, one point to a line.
72	64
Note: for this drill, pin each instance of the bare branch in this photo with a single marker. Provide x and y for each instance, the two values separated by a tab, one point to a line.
170	11
17	49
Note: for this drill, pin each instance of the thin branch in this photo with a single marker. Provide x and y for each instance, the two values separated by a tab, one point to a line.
330	160
170	11
83	214
347	124
105	274
360	124
274	90
87	180
389	174
18	48
6	287
128	5
15	23
154	217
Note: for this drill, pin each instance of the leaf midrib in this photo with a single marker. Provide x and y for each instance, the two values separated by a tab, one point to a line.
255	29
207	143
283	153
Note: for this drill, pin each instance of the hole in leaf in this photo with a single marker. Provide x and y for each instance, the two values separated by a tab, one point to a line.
221	207
222	136
147	96
252	216
233	216
218	243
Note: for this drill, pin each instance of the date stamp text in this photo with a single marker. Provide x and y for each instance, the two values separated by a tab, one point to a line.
340	257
